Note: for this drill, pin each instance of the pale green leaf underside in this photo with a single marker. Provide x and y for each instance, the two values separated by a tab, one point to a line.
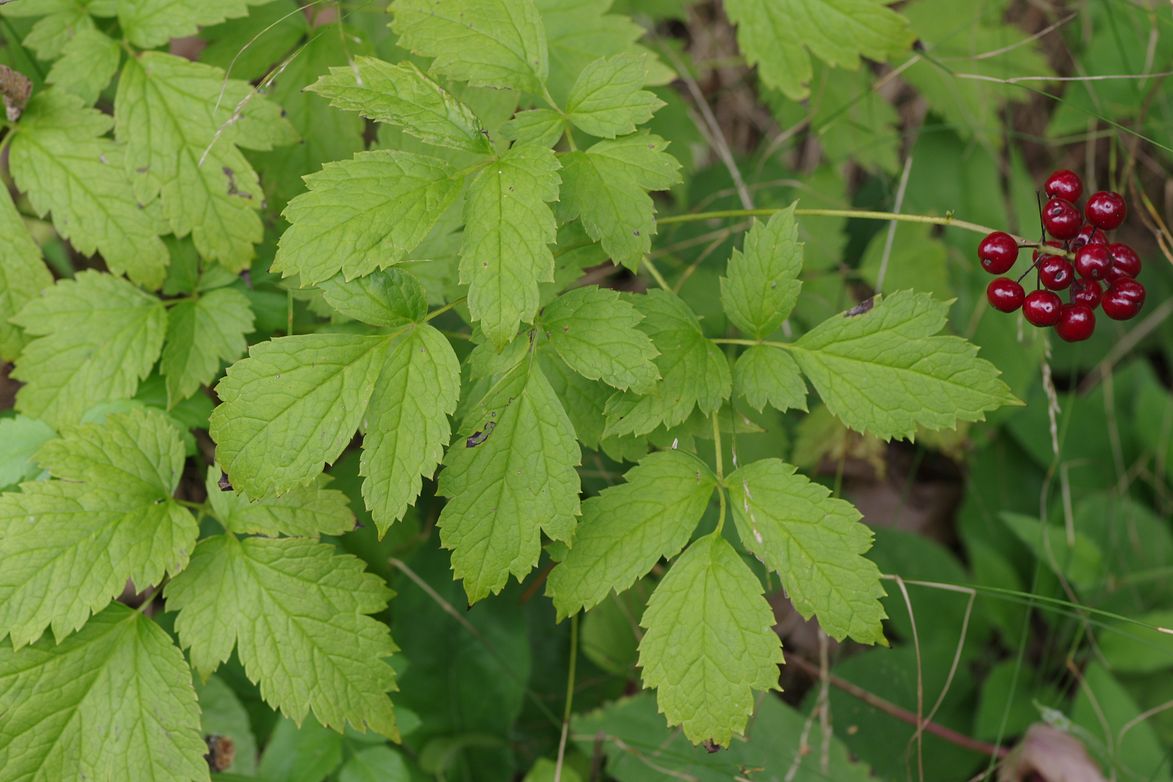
762	285
608	99
307	511
769	376
23	275
201	333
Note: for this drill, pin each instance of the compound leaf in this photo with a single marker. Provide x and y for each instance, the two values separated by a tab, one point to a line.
201	333
608	99
762	284
769	376
23	275
87	64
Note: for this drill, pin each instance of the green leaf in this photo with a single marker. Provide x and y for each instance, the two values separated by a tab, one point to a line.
111	518
114	701
710	642
769	376
95	338
487	43
775	35
508	230
695	373
58	158
916	261
512	479
390	298
151	23
363	214
87	64
762	285
407	424
202	333
402	95
296	613
594	331
608	99
291	406
630	527
307	511
376	764
578	33
884	371
815	543
20	438
62	20
183	122
606	187
540	127
23	275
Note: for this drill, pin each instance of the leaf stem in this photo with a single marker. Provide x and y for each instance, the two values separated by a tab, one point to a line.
751	342
859	214
655	274
440	311
719	460
566	711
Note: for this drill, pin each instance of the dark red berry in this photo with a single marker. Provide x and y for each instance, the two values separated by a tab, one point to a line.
1124	299
1105	210
1041	308
1064	184
1055	273
1086	291
1004	294
998	252
1130	289
1093	260
1061	219
1076	323
1088	234
1125	262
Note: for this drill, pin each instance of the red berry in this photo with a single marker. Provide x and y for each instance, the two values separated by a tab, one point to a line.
1064	184
1130	289
1124	299
1088	234
1076	322
1055	273
998	252
1061	219
1093	260
1041	308
1125	262
1004	294
1086	291
1105	210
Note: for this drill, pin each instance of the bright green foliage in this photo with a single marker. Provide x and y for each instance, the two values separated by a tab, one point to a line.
22	275
62	20
769	376
710	642
95	338
508	230
114	701
87	64
578	33
606	187
110	518
510	480
694	371
536	126
58	159
20	438
594	331
630	527
815	543
363	214
407	425
201	333
183	123
296	613
887	371
608	99
307	511
776	34
762	284
385	298
404	96
489	43
149	23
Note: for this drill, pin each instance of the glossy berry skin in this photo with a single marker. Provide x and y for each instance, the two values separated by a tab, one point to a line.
1041	308
1064	184
1105	210
1061	219
1088	234
1129	289
1004	294
1086	292
998	252
1092	261
1125	262
1055	273
1119	307
1076	323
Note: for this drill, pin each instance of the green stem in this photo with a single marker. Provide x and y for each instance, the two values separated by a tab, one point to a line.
655	273
751	342
450	305
567	710
719	459
860	214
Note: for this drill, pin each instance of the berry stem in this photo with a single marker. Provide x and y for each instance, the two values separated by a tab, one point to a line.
860	214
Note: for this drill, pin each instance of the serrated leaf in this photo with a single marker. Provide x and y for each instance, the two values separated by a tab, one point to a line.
594	331
183	122
487	43
151	23
292	406
509	227
694	372
579	32
769	376
95	338
87	64
363	214
58	158
608	99
402	95
606	187
887	371
762	284
710	642
297	614
775	35
389	298
307	511
816	545
61	21
513	478
111	518
20	437
407	424
630	527
202	333
539	127
114	701
23	275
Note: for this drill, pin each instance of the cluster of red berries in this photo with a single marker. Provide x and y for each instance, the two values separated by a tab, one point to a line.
1095	260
